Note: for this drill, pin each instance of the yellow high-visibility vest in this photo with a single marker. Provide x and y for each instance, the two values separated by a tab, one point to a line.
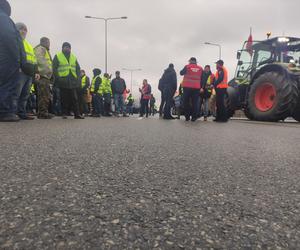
83	82
94	82
66	67
105	87
30	56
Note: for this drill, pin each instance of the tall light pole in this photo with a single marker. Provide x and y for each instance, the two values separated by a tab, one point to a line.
218	45
131	73
106	21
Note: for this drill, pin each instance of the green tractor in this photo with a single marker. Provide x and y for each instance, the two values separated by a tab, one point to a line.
267	80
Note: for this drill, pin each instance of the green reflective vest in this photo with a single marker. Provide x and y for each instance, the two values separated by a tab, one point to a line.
30	56
209	84
94	82
83	82
105	87
66	67
130	99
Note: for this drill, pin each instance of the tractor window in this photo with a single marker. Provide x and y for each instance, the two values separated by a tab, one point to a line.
263	57
244	64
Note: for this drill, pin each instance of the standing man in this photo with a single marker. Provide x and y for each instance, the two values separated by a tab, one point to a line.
44	62
207	85
169	86
82	92
106	93
221	85
95	91
191	88
25	80
118	87
67	77
11	57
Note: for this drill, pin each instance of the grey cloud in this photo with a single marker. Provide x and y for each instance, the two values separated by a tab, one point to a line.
157	32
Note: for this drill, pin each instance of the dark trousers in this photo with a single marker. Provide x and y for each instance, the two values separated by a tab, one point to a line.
222	114
69	99
56	104
168	97
106	103
83	109
9	84
97	104
191	102
162	104
144	107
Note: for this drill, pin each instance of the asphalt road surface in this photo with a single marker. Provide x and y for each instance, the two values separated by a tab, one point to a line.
149	184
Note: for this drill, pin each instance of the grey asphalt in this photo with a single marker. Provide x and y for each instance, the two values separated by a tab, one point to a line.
119	183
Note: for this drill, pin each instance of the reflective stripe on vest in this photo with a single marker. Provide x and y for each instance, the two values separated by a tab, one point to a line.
94	82
192	78
224	83
32	89
30	56
83	82
66	67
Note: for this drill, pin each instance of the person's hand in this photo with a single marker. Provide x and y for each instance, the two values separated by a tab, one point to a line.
201	91
37	77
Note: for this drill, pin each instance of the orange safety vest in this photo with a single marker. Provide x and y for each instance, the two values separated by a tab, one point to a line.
224	83
193	76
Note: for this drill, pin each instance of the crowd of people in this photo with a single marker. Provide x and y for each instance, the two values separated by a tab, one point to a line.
200	93
34	83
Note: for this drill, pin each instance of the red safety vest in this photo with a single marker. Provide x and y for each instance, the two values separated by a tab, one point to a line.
193	76
224	83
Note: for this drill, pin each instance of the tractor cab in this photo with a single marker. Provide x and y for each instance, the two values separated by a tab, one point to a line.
279	50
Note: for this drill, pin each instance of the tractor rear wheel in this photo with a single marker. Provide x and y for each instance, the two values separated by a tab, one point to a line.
272	97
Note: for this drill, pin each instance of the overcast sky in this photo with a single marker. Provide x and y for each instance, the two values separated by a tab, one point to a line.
156	32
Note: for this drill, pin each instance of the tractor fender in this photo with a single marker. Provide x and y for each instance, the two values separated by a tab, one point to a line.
282	70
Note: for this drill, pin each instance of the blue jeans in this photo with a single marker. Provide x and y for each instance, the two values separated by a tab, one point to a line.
23	92
119	102
130	109
205	103
31	104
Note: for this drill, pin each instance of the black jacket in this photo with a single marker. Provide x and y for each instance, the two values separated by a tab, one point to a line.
118	86
69	82
12	53
168	80
220	78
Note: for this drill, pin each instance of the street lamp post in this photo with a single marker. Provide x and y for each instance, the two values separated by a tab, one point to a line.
218	45
131	73
106	21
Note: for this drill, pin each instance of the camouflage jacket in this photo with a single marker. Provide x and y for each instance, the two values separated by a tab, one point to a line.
44	62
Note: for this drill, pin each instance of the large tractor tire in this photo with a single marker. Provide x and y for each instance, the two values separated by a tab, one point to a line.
272	97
